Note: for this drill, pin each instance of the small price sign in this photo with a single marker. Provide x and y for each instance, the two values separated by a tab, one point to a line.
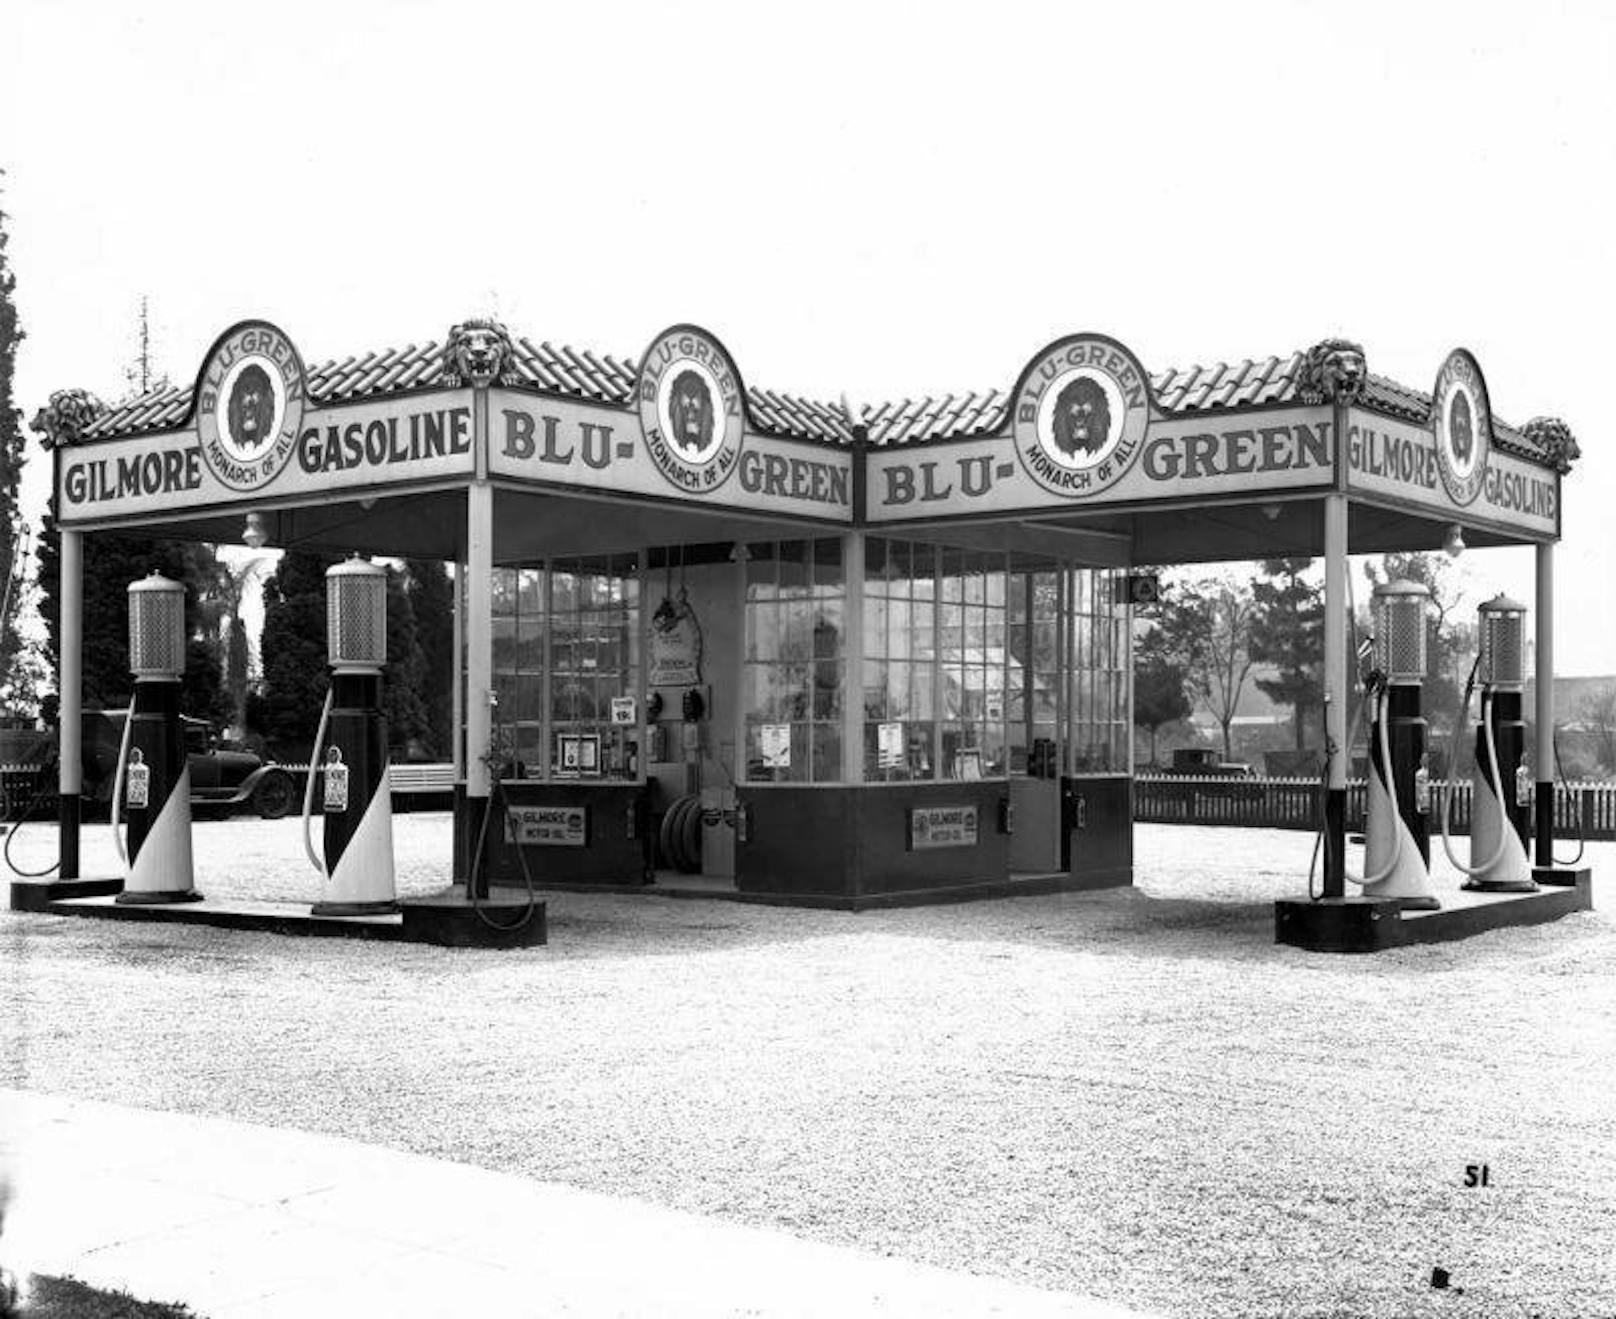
137	780
336	782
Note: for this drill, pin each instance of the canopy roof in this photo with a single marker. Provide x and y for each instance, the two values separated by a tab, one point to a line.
582	374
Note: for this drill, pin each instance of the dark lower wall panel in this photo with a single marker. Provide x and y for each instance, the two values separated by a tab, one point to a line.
616	853
855	841
1099	815
889	865
798	840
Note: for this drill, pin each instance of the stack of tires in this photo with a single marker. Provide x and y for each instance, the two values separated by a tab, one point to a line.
679	838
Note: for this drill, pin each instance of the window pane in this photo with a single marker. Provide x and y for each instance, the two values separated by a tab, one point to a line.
827	690
828	565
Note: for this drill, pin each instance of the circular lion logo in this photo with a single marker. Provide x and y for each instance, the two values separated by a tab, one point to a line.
691	409
687	413
1079	415
249	406
1462	423
1461	431
251	418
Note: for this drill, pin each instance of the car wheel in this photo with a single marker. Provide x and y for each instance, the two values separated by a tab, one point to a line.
273	796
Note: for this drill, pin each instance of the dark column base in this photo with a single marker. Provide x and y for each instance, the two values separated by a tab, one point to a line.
69	812
1543	825
474	868
1344	925
38	894
1562	876
1335	843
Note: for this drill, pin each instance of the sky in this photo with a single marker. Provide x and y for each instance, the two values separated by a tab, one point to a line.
882	199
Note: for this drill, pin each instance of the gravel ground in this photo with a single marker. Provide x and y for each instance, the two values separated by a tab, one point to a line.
1134	1095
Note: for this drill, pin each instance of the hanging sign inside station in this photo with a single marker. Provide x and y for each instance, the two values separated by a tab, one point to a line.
774	745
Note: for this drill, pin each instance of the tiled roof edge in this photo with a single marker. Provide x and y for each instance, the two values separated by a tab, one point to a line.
574	373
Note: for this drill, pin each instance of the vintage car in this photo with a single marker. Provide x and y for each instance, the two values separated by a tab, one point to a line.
1204	762
220	778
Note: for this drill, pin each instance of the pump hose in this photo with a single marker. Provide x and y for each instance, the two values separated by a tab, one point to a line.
1559	774
308	788
1324	792
479	857
1386	870
117	786
1497	783
15	821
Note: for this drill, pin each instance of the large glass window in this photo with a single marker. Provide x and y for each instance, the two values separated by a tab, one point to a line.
571	628
971	651
936	662
900	665
1034	669
795	668
1097	724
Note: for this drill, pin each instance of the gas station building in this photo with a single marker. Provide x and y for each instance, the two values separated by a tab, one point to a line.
846	656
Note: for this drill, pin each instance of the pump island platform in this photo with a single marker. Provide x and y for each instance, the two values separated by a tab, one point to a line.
782	649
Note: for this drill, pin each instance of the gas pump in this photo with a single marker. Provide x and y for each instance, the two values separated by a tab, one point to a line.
352	765
1397	850
1501	788
153	778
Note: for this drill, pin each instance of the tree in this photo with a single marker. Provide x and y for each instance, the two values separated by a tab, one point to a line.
142	374
1597	712
12	565
294	653
432	597
1207	622
1160	685
403	703
232	583
1450	642
111	563
1287	631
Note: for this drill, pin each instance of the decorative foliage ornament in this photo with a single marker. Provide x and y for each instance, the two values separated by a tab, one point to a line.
66	417
479	351
1555	439
1335	371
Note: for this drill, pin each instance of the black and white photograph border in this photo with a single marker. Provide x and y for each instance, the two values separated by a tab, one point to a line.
397	1060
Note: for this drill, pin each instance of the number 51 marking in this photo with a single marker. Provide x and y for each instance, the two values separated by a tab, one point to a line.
1476	1175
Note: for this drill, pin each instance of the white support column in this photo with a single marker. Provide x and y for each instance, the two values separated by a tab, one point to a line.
853	649
479	633
70	682
1543	823
1336	687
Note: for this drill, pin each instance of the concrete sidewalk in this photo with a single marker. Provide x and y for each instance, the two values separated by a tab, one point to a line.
246	1222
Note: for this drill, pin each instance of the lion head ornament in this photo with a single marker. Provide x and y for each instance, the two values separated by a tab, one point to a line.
67	416
1334	371
1555	439
479	351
